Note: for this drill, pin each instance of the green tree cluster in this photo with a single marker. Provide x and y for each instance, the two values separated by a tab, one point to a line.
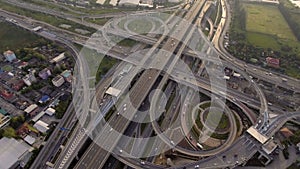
17	121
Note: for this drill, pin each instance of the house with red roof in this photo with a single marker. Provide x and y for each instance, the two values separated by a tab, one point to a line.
272	62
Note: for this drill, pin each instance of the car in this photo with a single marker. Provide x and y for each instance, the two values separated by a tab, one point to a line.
121	151
197	166
143	162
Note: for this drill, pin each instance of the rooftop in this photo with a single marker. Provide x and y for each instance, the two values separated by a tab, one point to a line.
41	126
11	151
113	91
257	135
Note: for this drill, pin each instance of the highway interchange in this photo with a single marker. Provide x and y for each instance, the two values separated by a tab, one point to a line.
95	156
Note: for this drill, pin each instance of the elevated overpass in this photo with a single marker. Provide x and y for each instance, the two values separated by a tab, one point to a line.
136	97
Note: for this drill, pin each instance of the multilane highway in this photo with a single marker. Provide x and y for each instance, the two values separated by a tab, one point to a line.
223	25
144	84
149	76
221	30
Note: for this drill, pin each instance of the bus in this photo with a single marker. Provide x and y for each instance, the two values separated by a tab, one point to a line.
199	146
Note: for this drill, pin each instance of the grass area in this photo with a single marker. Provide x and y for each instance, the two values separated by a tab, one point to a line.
30	127
259	30
292	15
205	105
140	26
52	20
52	6
98	64
8	132
7	68
213	15
62	107
106	64
127	43
92	58
13	37
219	13
212	119
267	19
103	10
198	121
262	40
220	136
98	21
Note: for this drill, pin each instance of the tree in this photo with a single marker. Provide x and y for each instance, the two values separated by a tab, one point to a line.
9	132
15	122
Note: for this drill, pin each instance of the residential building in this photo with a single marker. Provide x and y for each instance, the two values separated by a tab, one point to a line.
58	80
100	2
17	84
29	139
9	55
38	116
13	152
45	73
29	79
146	3
287	133
4	120
67	75
50	111
21	64
31	108
272	62
113	2
58	58
129	2
3	112
44	99
6	94
41	126
269	146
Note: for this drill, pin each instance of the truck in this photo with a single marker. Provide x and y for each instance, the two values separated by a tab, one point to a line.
49	164
199	146
284	79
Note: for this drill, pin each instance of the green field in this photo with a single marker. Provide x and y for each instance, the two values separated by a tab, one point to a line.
12	37
99	21
7	68
266	27
267	19
52	20
259	30
262	40
215	119
140	26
